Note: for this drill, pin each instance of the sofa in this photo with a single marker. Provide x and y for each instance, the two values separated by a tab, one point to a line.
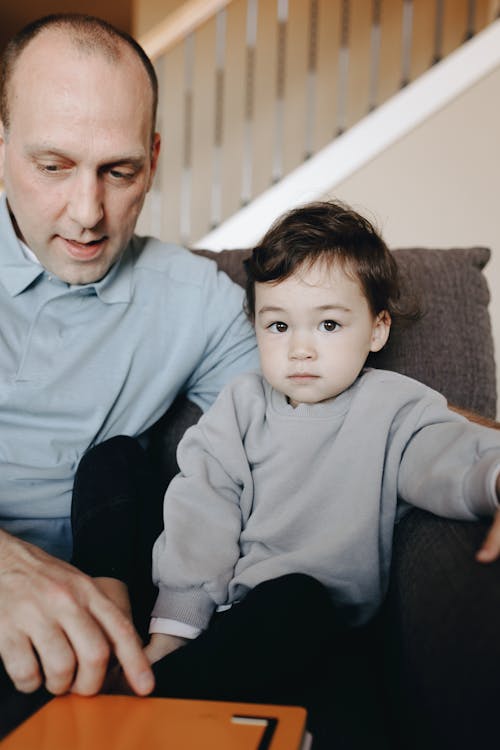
423	673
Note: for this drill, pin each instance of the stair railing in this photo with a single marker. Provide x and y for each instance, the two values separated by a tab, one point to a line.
250	89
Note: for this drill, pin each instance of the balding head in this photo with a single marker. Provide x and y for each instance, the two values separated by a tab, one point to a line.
89	36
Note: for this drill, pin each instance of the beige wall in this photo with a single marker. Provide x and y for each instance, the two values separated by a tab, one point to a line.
440	185
147	13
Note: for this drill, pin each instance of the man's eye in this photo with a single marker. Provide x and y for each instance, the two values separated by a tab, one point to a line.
278	327
50	168
328	325
118	174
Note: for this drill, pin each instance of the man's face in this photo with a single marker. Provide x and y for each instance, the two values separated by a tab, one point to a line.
77	160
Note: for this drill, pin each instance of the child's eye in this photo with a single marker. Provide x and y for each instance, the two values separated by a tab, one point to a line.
328	325
278	327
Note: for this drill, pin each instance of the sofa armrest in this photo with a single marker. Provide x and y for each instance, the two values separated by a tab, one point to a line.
473	416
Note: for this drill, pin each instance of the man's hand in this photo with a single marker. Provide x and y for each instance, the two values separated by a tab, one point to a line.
490	549
159	646
57	628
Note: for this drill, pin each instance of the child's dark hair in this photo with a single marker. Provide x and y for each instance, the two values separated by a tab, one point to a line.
330	232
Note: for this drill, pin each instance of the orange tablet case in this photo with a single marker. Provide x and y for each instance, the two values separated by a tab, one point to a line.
117	722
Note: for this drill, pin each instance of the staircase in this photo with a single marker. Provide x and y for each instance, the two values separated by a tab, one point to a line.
267	103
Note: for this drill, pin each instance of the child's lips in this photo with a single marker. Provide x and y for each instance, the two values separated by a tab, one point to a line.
302	376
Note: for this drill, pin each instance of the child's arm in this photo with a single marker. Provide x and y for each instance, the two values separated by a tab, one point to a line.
162	644
205	508
490	549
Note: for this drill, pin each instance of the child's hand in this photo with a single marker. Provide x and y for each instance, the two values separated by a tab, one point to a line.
490	549
161	644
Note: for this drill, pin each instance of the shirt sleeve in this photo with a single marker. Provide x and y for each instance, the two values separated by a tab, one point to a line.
230	339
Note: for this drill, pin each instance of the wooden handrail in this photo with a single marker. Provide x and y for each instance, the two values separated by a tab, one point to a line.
178	24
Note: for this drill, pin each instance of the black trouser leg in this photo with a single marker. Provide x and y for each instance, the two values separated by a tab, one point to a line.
270	647
117	513
282	644
16	706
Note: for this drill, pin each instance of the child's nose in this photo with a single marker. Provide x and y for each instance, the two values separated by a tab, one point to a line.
301	348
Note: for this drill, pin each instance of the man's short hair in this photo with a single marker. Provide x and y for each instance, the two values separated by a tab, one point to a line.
89	33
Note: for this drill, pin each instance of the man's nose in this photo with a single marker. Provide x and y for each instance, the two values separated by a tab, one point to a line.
85	204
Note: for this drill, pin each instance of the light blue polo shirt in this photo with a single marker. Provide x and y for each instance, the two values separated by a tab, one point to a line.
80	364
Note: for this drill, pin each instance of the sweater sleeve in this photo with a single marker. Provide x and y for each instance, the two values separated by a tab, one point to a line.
194	557
449	464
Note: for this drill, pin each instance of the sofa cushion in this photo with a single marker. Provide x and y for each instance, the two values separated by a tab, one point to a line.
450	348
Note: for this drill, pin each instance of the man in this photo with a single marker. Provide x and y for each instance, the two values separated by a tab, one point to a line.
100	330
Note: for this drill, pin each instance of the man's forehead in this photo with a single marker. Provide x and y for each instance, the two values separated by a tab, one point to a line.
52	44
55	57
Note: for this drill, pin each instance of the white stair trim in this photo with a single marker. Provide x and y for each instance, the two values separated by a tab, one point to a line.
374	133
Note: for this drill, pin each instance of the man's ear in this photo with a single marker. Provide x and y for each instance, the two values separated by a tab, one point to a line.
380	331
155	152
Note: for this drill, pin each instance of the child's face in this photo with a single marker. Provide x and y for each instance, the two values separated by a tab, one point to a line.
315	331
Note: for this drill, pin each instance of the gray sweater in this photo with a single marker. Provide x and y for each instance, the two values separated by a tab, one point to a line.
266	489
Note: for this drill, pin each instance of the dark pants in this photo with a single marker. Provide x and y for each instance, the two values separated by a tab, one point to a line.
281	644
440	627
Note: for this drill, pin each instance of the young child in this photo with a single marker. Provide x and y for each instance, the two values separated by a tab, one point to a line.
278	528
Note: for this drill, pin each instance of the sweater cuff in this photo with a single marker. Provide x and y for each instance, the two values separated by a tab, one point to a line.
191	606
173	627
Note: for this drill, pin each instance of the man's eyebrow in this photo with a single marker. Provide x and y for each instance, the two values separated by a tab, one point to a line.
132	160
136	159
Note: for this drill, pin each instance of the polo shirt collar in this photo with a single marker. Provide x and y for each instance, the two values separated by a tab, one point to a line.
116	286
17	272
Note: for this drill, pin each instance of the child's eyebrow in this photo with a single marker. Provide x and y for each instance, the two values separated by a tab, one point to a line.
333	306
270	308
320	308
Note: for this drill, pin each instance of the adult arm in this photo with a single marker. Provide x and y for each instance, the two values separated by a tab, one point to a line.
57	628
230	345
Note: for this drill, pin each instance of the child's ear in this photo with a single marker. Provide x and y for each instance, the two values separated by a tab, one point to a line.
380	332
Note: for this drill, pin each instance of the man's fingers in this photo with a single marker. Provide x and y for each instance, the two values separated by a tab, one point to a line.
20	663
490	549
127	647
92	652
57	627
57	658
